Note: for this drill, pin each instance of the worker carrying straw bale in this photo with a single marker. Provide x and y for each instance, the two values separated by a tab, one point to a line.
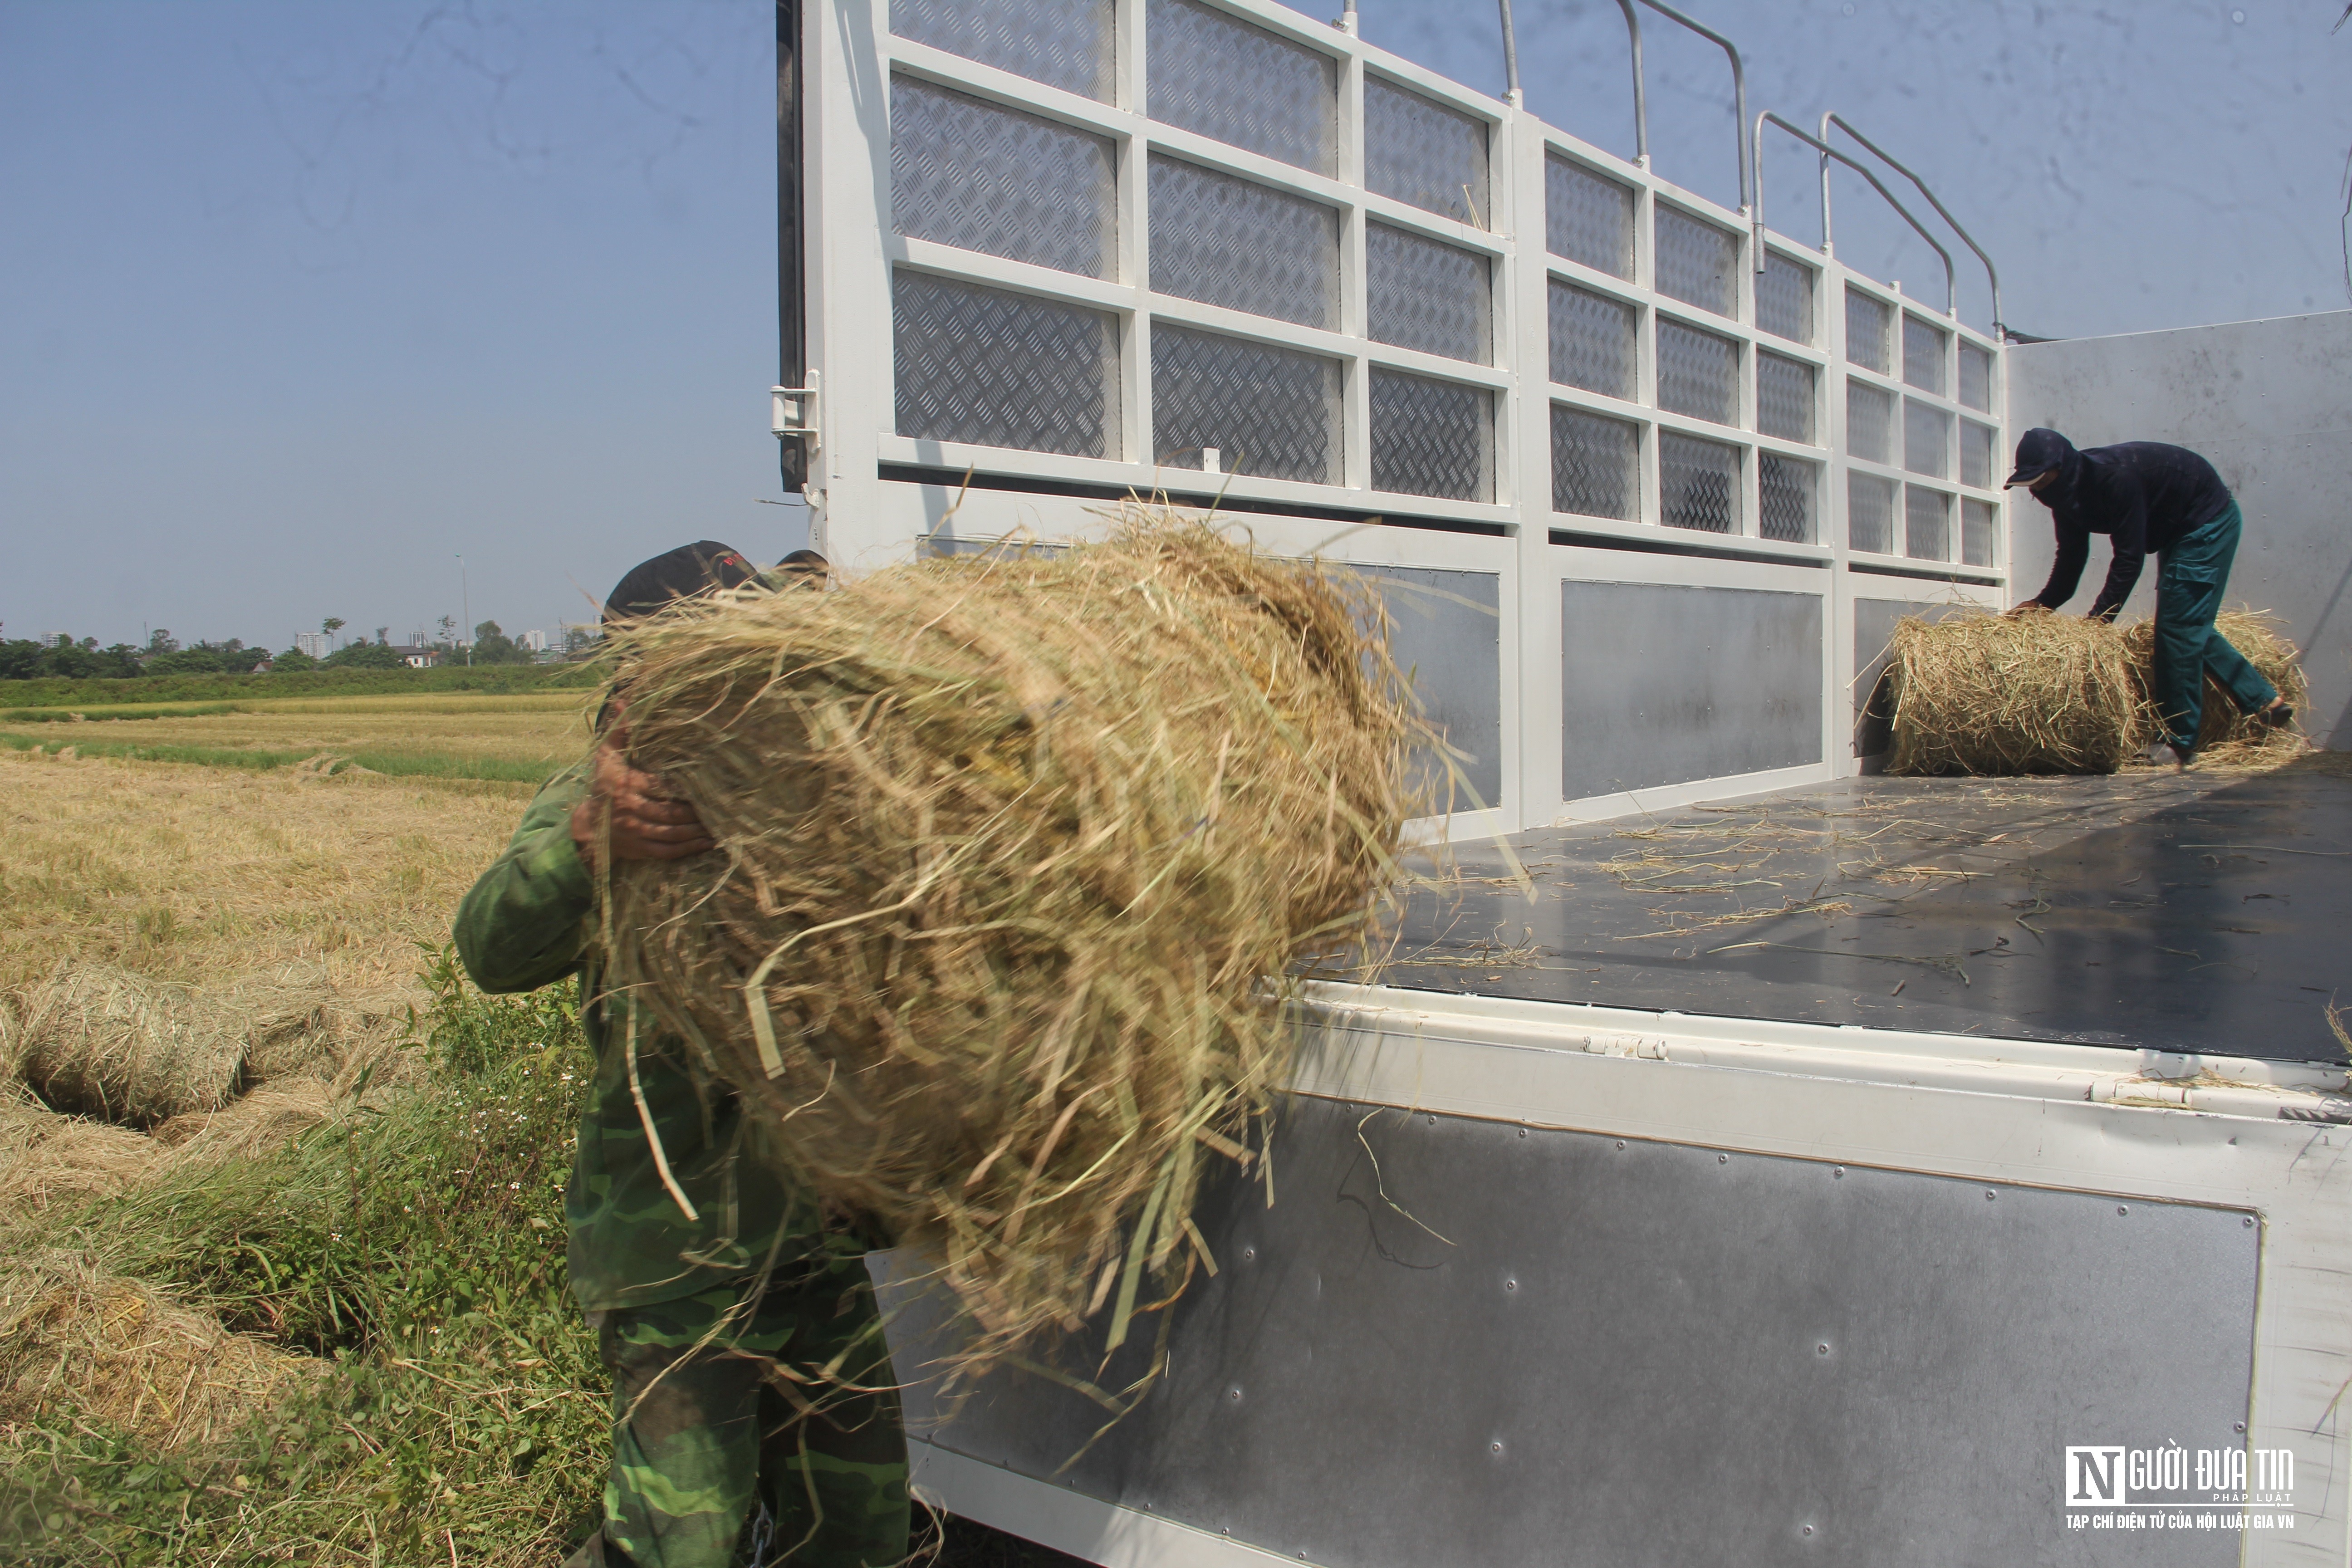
2147	496
936	909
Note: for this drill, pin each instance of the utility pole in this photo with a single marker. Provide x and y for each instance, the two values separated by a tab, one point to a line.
466	603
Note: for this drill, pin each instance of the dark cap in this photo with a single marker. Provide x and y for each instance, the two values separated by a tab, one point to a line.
681	574
2038	452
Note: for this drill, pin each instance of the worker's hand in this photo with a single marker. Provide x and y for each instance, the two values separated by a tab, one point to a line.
646	822
2025	611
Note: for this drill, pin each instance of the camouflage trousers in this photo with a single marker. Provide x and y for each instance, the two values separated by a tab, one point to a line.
756	1426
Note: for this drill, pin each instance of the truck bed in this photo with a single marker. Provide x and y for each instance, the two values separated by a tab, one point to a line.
2204	913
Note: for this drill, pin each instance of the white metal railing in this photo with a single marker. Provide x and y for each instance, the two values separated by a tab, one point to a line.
1076	247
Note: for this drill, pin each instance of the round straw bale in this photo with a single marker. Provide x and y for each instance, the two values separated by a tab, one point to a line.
1984	694
1011	848
123	1048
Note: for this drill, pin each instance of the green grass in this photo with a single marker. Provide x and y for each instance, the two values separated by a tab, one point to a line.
395	764
58	692
419	1253
66	715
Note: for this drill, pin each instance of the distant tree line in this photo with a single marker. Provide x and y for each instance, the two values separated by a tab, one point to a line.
30	658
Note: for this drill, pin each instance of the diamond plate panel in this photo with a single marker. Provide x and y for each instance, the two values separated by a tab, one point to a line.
1784	396
1979	533
1926	438
1927	524
1784	298
1925	349
1869	422
1424	294
1697	263
1267	411
1062	43
1211	72
999	369
1869	513
1698	483
1235	243
1592	340
1588	217
1784	503
1977	451
1698	374
1432	438
980	176
1421	152
1975	377
1596	465
1869	326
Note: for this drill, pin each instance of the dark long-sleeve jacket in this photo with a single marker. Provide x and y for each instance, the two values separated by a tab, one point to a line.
528	923
2143	494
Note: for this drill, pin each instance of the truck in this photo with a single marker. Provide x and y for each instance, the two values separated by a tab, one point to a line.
1742	1156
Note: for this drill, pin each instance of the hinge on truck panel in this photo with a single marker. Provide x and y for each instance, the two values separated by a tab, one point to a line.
793	411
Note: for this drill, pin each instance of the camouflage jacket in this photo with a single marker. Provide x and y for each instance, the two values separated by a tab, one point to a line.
528	922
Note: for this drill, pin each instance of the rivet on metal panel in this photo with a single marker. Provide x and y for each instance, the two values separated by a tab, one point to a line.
2123	1209
1822	1348
1988	1195
1228	1529
1808	1530
2249	1222
2241	1426
1495	1448
1248	1253
1620	1142
1838	1172
1433	1122
1723	1159
1523	1132
1234	1392
1510	1284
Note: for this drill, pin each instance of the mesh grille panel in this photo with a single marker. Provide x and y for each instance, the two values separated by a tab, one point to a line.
1588	217
1869	513
1216	74
1267	411
1698	483
1432	438
1596	465
1784	299
1975	454
999	369
1424	294
1698	372
1697	263
1784	501
1979	533
1926	438
1591	341
1868	322
1976	378
1062	43
1927	524
1924	348
1784	397
1235	243
1423	152
1869	422
984	177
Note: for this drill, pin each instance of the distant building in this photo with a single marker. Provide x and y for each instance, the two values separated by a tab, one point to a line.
417	656
312	643
535	641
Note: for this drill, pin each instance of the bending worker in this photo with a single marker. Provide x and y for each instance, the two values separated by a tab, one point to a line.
2144	496
714	1287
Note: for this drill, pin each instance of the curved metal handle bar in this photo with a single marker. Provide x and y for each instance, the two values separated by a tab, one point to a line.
1943	212
1738	85
1640	109
1951	295
1511	63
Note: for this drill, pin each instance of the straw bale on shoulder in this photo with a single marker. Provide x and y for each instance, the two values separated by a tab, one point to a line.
1010	847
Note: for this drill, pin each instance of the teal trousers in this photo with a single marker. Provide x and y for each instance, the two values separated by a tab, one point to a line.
2188	584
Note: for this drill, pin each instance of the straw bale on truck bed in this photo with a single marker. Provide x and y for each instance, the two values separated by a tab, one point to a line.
1008	848
2061	694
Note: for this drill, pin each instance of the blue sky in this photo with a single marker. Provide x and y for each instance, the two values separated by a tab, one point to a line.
305	300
